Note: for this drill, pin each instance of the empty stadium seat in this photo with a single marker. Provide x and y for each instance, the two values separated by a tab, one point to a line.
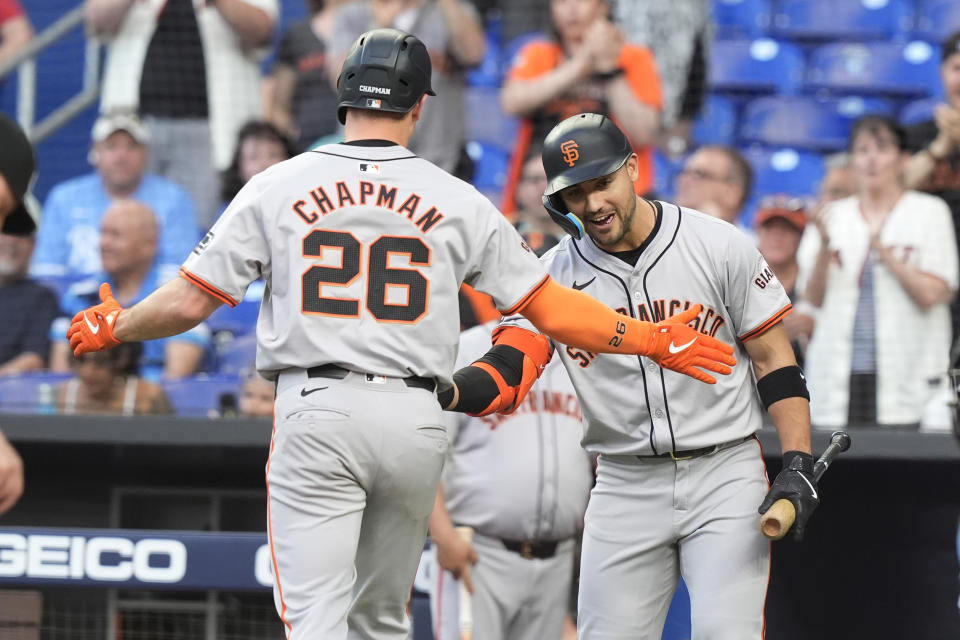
741	17
876	68
841	19
241	319
489	73
937	19
717	122
755	66
201	395
918	111
665	172
21	393
784	170
485	120
803	122
237	354
490	165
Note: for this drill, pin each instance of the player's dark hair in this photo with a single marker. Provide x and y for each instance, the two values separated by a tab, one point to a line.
875	123
950	46
230	180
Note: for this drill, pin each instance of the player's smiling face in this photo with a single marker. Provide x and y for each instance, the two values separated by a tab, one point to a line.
607	206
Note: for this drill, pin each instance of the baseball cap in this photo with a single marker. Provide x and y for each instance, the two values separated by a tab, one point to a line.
791	209
109	124
18	165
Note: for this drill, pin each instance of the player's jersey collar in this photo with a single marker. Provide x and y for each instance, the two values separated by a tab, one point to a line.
372	142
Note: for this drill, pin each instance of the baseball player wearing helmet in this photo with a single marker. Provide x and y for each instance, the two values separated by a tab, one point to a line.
362	247
680	473
520	482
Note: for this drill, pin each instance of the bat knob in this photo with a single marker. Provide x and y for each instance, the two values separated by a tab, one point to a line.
842	438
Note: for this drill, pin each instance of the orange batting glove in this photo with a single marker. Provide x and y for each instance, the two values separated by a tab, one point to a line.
537	352
92	329
676	346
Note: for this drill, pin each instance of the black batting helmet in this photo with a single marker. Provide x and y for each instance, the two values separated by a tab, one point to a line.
581	148
385	70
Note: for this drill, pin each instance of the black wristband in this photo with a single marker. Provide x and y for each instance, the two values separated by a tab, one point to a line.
798	461
786	382
609	75
477	390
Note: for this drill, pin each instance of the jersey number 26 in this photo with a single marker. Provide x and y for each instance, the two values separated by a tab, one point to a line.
380	277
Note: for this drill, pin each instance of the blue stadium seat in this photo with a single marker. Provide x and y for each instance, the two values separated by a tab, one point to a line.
486	121
491	163
21	394
717	122
803	122
755	66
200	395
237	354
489	73
741	17
665	172
241	319
918	111
784	170
937	19
875	68
841	19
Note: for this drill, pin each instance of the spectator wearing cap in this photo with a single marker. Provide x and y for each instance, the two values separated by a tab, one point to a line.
881	268
18	166
191	69
779	224
68	239
716	180
934	166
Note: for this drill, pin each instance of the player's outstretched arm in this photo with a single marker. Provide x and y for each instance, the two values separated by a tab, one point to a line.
173	308
575	319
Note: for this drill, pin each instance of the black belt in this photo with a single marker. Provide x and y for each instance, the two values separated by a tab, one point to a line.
539	549
339	373
688	454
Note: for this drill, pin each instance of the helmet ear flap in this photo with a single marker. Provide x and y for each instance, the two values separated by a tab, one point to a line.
566	219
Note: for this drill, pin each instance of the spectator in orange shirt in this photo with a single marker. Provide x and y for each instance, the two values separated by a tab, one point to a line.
587	67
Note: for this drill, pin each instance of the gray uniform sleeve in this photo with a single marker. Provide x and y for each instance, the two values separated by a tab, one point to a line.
236	250
755	299
504	267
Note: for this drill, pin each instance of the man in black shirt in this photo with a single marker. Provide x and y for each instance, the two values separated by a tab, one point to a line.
935	164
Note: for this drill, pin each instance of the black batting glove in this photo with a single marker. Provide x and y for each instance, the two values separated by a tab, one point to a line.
796	484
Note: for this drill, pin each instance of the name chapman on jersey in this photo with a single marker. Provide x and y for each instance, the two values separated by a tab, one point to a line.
319	202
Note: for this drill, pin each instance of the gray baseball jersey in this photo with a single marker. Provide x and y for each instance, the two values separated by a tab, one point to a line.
363	250
689	258
522	476
518	477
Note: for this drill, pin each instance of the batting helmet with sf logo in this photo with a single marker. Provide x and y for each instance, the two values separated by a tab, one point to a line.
581	148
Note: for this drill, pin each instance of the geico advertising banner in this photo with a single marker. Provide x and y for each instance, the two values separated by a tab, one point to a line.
126	558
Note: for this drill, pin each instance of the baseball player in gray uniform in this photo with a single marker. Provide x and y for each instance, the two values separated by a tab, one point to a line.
521	483
680	474
362	247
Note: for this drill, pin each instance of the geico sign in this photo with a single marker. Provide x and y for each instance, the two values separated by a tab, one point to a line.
101	558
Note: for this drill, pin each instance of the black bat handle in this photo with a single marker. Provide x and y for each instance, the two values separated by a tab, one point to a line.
839	442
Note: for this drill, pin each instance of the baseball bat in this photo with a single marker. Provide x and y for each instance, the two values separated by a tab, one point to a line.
466	600
778	519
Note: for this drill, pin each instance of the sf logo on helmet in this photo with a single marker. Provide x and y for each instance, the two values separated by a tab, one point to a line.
570	153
